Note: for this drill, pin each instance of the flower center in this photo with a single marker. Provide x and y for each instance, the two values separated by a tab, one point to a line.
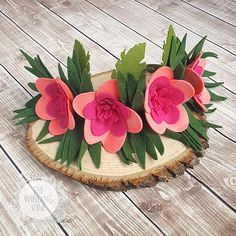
107	109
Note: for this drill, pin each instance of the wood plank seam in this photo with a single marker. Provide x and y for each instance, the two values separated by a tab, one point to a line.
200	9
185	27
140	34
35	192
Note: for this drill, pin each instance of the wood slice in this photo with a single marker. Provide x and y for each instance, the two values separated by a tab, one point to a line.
114	174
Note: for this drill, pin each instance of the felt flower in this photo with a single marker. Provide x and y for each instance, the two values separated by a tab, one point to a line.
193	75
106	118
164	97
55	105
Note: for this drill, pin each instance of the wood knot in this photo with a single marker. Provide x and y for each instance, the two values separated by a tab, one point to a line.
20	58
66	3
16	134
232	180
151	206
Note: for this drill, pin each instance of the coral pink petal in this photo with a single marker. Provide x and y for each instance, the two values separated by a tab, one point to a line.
113	143
134	123
182	122
146	99
194	79
90	138
81	101
110	87
185	87
163	71
41	109
158	128
205	96
66	89
195	62
42	84
119	128
71	120
55	127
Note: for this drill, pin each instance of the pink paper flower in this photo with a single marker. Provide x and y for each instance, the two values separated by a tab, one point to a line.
106	119
164	97
55	105
193	75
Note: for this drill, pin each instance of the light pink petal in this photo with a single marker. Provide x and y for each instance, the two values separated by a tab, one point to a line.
199	67
194	79
55	128
42	84
185	88
119	128
113	143
158	128
134	122
90	138
194	63
66	89
81	101
71	120
163	71
205	96
182	122
110	87
41	109
146	99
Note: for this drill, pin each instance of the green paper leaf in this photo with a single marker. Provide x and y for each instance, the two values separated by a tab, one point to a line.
123	157
127	150
167	46
122	87
73	76
196	50
193	138
42	67
209	54
27	120
59	153
66	148
34	72
95	153
216	98
207	73
24	113
211	110
82	150
210	125
208	105
141	84
150	148
138	101
32	86
139	144
131	87
151	68
86	84
131	62
177	136
62	74
52	139
32	102
213	85
44	131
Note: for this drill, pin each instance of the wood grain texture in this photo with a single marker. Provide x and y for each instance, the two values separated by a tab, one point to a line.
150	24
105	211
222	9
11	218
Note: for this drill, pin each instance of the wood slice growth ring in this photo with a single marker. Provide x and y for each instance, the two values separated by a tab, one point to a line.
114	174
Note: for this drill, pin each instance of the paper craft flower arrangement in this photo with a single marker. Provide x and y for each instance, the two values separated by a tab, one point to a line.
128	113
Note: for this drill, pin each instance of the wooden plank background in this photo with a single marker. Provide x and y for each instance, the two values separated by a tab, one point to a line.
203	200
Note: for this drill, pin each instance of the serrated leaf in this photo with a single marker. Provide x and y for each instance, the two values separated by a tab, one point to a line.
138	101
197	49
44	131
209	54
20	110
141	83
82	150
95	153
27	120
42	67
122	86
86	84
216	98
139	144
32	102
210	125
213	85
207	73
131	87
25	113
73	76
32	86
167	46
34	72
52	139
131	62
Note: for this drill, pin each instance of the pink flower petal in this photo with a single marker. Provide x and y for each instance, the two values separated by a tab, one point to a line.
55	127
158	128
182	122
81	101
194	79
110	87
42	110
199	67
124	110
90	138
194	63
119	128
185	87
71	120
113	143
205	96
43	83
134	122
163	71
99	128
66	89
89	111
